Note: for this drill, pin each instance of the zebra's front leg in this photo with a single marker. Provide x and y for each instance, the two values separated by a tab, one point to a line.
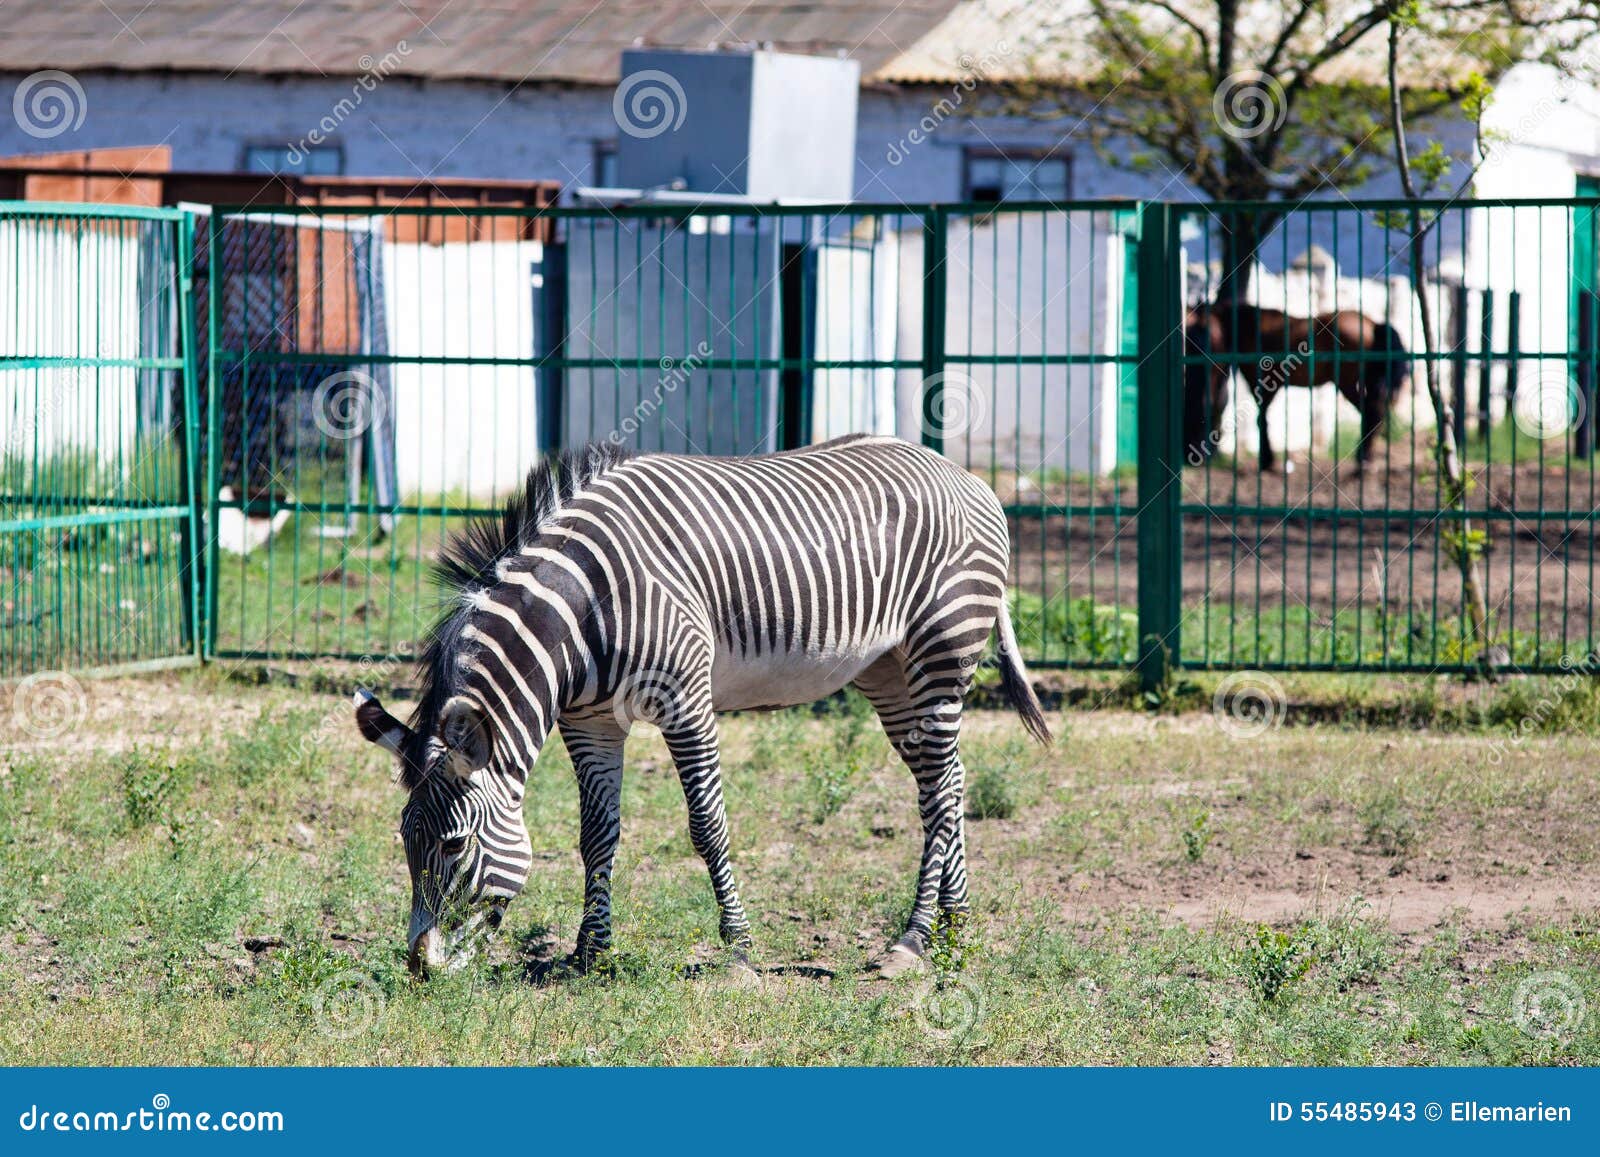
596	747
692	740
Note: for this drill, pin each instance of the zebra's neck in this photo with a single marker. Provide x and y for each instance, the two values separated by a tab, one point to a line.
526	651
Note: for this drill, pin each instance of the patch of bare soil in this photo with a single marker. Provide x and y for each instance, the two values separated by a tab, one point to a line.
1247	530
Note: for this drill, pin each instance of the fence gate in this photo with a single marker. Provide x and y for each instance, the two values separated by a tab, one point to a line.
97	524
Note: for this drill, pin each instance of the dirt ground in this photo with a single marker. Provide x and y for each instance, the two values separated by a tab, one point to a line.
1539	571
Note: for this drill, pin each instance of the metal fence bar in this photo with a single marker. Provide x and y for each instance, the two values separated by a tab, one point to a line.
1161	452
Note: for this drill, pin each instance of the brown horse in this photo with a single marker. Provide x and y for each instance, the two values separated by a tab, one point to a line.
1205	384
1277	350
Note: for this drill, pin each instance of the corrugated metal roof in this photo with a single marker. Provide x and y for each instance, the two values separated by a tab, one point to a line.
581	41
1053	41
500	40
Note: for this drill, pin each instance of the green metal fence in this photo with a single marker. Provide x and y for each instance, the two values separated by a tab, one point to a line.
97	518
1322	565
461	347
359	382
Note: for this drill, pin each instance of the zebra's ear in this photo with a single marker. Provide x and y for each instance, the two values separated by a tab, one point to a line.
465	732
377	725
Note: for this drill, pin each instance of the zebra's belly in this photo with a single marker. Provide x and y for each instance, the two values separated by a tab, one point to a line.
785	678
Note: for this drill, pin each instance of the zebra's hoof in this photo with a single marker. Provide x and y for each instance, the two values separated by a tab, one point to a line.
898	961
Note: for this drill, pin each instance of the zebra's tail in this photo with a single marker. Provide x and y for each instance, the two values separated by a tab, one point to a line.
1014	679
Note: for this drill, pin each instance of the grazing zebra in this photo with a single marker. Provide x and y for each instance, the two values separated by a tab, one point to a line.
667	588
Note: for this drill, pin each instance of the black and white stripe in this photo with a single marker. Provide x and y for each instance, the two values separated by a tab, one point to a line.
669	588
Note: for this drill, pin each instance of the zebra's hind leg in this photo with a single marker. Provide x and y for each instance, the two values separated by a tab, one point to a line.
924	724
596	745
692	740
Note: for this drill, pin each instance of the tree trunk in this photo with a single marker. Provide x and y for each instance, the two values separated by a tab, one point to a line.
1446	451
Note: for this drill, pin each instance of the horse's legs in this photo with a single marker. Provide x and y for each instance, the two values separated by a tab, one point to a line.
1374	406
1367	397
1263	395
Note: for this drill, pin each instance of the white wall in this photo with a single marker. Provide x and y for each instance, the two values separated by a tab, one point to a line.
78	297
1048	284
857	313
462	429
1544	131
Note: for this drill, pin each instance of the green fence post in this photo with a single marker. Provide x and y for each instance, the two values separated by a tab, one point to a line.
193	557
933	336
1160	466
213	424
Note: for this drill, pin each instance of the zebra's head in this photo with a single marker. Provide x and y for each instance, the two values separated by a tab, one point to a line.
466	844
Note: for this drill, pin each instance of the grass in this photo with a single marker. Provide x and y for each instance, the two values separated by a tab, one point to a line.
309	591
94	593
212	876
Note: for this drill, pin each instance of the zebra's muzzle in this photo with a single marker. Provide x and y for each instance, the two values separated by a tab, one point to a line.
427	953
433	951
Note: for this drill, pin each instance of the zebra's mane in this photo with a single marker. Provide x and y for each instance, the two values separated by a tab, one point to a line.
469	561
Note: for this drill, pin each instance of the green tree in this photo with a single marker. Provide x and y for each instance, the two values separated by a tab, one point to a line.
1274	99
